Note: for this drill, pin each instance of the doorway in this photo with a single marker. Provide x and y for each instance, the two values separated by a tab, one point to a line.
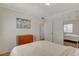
71	33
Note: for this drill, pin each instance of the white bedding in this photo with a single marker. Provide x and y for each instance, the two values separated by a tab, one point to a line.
43	48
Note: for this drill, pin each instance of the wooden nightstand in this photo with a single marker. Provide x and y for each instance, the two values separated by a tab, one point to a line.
24	39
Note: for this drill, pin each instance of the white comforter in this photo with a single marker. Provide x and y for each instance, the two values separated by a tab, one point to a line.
44	48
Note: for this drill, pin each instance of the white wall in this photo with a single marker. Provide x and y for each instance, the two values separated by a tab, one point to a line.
56	22
58	29
8	28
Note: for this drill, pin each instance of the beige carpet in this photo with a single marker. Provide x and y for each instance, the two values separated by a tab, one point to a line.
6	54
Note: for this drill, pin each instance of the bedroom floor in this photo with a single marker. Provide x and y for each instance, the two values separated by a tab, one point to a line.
5	54
69	43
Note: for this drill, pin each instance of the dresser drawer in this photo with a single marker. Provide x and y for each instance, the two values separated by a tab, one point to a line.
24	39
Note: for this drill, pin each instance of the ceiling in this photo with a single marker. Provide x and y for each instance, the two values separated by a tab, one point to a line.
40	9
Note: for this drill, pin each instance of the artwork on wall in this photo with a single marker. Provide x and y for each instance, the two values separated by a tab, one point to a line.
23	23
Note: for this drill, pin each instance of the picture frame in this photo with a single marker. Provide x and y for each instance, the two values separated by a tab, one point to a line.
23	23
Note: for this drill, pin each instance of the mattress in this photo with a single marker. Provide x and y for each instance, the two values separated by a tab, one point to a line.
43	48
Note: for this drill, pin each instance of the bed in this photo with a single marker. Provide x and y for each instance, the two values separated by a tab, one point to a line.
71	37
44	48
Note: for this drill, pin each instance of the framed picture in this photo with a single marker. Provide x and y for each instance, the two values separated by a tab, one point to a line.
23	23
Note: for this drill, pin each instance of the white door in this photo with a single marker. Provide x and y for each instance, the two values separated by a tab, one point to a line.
48	31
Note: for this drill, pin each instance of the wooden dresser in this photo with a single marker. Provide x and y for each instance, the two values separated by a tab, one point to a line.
24	39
